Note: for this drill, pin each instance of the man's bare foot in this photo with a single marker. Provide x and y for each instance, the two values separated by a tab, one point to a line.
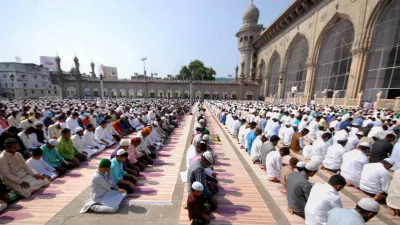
274	179
290	211
391	211
185	206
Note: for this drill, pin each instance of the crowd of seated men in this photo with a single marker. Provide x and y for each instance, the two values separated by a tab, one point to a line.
358	147
43	139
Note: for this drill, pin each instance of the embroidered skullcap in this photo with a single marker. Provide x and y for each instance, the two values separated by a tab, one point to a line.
206	132
206	137
53	142
136	141
78	129
208	155
10	142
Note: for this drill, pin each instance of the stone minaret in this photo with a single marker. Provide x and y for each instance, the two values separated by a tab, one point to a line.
248	33
76	61
92	67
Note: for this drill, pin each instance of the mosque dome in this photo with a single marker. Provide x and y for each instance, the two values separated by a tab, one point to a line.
251	14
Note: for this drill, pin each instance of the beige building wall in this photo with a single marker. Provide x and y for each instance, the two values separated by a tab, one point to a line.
313	26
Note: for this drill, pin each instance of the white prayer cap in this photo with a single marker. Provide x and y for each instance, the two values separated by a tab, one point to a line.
360	133
155	123
78	129
369	204
38	123
122	117
121	152
294	125
390	161
365	144
312	166
206	137
208	155
124	142
348	127
305	116
301	164
339	118
341	137
202	121
53	142
355	124
197	186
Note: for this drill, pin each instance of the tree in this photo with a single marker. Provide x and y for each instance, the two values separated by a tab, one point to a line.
198	70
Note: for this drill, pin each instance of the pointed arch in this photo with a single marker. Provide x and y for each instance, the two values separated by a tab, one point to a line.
333	57
296	65
131	93
273	73
382	72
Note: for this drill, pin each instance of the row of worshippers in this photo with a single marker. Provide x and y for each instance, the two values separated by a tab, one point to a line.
49	157
202	181
345	150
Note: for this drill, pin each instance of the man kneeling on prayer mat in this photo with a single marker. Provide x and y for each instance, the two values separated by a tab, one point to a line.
66	149
120	177
199	214
80	143
15	173
38	165
105	195
274	163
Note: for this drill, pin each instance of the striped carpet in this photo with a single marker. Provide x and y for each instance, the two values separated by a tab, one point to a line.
276	191
239	200
155	186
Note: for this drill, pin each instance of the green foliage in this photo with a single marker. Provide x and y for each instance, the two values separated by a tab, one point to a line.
198	69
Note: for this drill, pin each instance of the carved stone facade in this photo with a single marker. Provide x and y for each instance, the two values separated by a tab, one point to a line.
357	27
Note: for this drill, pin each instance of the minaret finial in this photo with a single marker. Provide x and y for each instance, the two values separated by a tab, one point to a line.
57	53
252	2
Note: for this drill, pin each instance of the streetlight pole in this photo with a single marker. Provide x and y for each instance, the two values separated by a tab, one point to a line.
101	86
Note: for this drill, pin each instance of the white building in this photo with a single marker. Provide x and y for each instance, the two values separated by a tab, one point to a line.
25	80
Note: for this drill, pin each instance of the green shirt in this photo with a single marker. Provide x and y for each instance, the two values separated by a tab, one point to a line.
51	156
66	149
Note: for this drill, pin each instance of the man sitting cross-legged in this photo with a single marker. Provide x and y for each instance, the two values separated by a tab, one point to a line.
105	194
15	173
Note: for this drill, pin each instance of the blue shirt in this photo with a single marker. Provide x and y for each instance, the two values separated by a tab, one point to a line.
263	123
117	170
344	124
250	138
358	121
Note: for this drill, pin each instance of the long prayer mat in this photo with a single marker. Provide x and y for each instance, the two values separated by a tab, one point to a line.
279	196
239	200
155	185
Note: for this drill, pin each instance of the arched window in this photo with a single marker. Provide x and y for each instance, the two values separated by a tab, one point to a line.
334	60
274	74
383	63
296	67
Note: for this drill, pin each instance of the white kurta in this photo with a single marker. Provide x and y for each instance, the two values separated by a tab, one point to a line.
273	163
313	128
352	165
352	143
42	168
319	151
323	198
79	143
14	171
90	141
72	124
241	135
287	134
256	148
307	151
53	132
102	134
374	178
190	153
333	157
30	141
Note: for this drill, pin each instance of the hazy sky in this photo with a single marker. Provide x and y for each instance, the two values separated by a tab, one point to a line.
118	33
